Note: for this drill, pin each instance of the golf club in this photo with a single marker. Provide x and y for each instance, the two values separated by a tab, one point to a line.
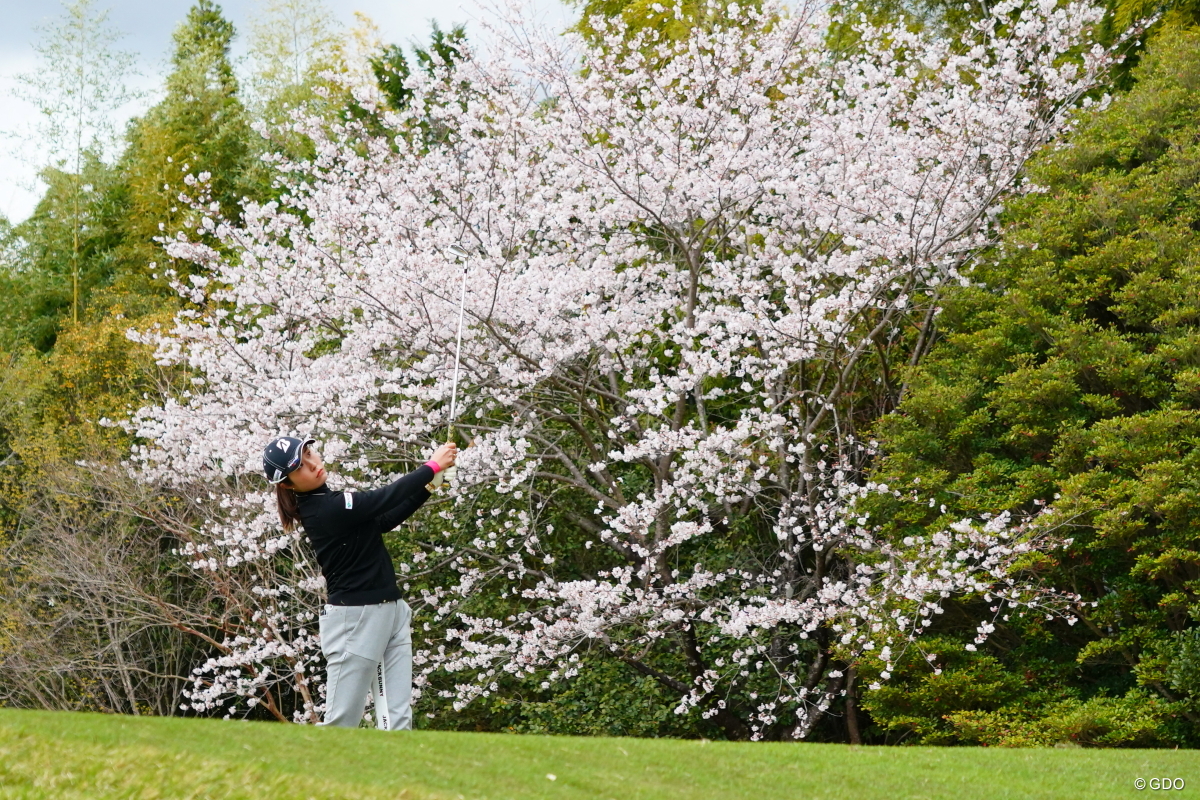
462	255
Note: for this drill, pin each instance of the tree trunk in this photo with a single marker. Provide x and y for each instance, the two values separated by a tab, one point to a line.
852	707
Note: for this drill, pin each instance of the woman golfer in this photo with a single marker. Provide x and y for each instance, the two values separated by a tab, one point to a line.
365	628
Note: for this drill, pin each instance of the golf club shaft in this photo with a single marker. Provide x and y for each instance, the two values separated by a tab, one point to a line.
462	296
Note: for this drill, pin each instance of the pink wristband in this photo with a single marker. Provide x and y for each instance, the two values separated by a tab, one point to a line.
436	466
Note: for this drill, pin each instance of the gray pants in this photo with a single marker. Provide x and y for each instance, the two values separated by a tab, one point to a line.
368	651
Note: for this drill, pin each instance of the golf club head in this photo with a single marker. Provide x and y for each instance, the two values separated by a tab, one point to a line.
459	252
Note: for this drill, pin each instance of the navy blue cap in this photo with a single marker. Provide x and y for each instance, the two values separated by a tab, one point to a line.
282	456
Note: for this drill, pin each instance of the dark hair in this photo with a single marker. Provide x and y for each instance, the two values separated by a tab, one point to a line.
289	511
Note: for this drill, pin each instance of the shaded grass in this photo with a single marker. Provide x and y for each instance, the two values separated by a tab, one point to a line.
60	755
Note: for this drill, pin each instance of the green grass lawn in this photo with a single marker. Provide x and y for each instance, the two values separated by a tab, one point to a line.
60	755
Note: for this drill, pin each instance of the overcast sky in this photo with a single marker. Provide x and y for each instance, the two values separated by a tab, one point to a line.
147	25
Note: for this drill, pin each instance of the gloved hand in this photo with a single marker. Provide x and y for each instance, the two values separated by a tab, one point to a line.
445	457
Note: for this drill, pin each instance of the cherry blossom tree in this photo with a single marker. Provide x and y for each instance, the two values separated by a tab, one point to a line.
692	268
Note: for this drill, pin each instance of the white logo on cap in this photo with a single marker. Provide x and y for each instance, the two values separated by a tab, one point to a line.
282	444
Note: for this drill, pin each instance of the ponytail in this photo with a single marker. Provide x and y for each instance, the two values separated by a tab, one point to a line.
289	511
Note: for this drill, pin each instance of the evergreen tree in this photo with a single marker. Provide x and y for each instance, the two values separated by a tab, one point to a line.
57	258
1071	375
201	126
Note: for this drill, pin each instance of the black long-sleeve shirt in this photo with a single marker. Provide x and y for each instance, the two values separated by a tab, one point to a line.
346	529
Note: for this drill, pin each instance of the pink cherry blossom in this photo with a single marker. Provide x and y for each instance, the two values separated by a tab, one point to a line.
681	253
